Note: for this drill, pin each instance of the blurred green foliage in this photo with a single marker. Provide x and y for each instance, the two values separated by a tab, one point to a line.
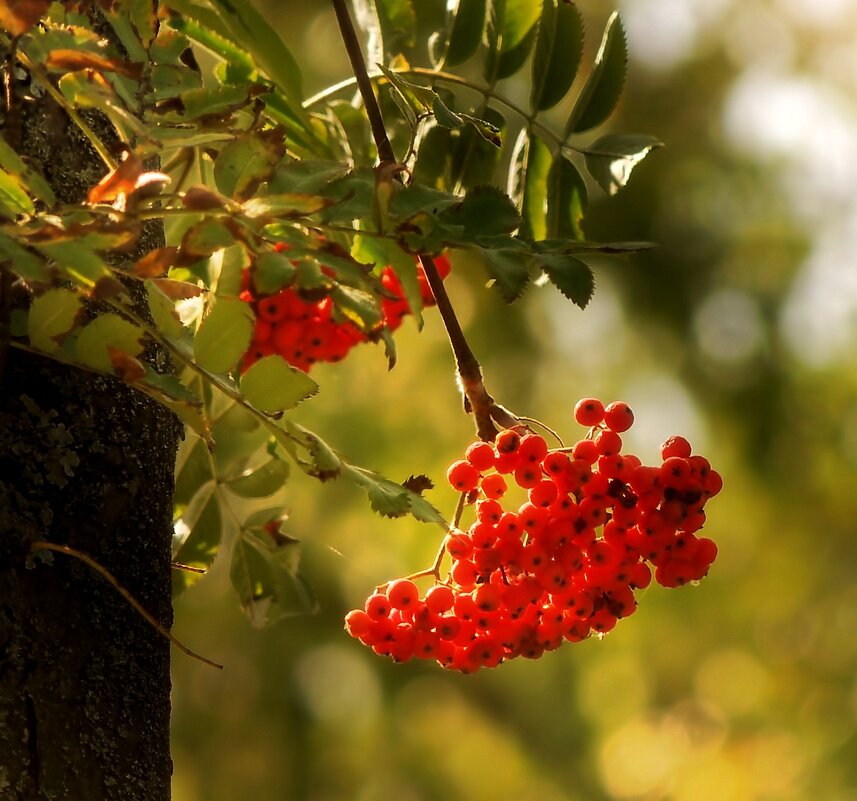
738	331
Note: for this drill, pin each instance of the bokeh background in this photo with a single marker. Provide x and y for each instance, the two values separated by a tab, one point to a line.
739	332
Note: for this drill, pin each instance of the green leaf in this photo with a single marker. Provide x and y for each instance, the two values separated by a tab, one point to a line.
163	311
52	315
557	55
569	275
13	199
604	86
272	385
485	211
253	32
383	252
509	270
107	330
359	307
390	499
78	261
473	158
246	162
567	199
528	176
262	482
466	23
224	335
511	32
199	530
24	263
398	25
305	177
611	159
32	179
272	272
265	575
285	206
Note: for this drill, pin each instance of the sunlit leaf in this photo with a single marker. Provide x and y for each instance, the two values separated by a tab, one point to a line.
52	315
261	482
528	175
390	499
26	264
511	33
398	24
485	211
107	331
604	85
224	335
383	252
31	178
14	199
247	161
557	55
271	384
163	311
611	159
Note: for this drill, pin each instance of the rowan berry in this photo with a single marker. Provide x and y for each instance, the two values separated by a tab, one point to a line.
463	476
480	455
589	412
608	442
358	622
403	594
377	606
618	416
439	598
533	449
507	441
675	446
585	450
493	486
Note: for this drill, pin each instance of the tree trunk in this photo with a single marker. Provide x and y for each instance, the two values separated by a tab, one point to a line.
87	462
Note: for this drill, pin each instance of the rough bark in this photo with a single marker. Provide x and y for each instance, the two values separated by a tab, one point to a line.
87	462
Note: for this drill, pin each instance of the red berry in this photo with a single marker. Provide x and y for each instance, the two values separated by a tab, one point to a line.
589	412
403	594
463	476
675	446
507	441
493	486
480	455
618	416
440	598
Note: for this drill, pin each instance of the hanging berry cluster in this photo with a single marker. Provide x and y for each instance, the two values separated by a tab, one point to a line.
561	566
305	331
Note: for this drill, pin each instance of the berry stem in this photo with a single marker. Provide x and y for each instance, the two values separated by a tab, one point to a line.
434	570
476	398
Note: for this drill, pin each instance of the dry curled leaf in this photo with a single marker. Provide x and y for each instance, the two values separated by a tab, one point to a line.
73	60
19	16
125	365
156	262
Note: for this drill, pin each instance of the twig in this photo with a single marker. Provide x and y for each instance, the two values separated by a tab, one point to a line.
476	398
188	568
41	545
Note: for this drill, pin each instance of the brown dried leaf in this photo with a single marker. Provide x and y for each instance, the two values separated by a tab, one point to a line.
178	290
125	365
200	198
19	16
418	484
107	287
121	181
73	60
156	262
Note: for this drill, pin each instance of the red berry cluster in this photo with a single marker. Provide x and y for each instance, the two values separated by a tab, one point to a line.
564	564
305	331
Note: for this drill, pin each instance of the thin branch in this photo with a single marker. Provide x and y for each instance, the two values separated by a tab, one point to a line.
138	607
476	398
364	83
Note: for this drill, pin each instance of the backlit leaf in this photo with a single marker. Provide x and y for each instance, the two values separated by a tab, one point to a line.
52	315
107	331
611	159
557	55
528	174
567	198
466	25
224	335
604	85
570	275
511	33
271	384
246	162
261	482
